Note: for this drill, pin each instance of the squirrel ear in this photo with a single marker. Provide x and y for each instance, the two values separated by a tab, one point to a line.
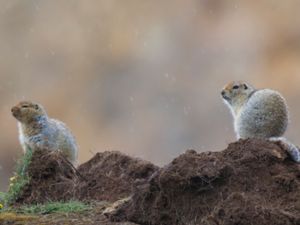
245	86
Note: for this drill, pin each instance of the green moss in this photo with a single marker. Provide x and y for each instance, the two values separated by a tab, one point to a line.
20	179
55	207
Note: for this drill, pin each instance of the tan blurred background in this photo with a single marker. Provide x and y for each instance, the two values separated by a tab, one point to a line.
143	76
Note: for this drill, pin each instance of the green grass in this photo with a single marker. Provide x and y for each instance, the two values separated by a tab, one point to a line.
54	207
2	196
19	180
2	200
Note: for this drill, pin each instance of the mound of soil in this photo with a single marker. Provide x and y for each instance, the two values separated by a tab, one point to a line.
111	176
108	176
52	178
251	182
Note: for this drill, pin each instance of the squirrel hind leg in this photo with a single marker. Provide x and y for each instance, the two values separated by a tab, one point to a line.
292	149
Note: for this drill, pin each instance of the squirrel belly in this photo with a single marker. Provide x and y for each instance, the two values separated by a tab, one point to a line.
264	115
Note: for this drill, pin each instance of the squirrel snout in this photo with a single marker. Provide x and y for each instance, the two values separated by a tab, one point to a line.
15	111
224	95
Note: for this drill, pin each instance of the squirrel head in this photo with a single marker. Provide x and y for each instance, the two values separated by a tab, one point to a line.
27	111
236	93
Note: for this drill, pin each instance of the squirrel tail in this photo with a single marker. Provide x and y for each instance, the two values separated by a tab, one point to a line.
292	149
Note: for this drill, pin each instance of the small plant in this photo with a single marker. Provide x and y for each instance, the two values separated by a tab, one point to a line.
2	197
55	207
2	200
20	179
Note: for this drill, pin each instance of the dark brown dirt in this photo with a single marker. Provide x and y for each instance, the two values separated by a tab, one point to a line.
251	182
108	176
111	176
52	178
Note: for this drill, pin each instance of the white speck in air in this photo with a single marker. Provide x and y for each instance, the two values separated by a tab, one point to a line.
52	52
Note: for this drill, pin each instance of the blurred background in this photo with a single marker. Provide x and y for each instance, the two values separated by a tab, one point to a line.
143	77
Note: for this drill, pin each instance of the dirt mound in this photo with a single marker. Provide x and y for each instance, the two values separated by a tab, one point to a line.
52	178
111	176
107	176
251	182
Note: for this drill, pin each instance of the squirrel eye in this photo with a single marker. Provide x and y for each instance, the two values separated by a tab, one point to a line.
25	106
235	87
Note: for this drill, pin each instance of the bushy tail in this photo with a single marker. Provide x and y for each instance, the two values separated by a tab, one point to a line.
292	149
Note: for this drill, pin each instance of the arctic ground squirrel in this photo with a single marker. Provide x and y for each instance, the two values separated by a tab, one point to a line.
38	131
259	113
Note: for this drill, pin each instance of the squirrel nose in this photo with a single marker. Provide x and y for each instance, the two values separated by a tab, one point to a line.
14	110
223	93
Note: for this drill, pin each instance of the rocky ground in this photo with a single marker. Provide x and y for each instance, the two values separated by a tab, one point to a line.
250	182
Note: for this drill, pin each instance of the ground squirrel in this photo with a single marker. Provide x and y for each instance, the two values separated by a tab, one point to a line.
38	131
259	114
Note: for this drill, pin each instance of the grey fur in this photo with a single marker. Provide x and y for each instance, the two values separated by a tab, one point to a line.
259	114
264	115
50	134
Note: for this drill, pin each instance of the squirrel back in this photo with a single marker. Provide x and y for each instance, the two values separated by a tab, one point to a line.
264	115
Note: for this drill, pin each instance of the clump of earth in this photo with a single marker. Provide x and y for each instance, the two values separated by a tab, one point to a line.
251	182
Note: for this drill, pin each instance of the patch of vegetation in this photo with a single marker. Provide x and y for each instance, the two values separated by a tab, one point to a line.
55	207
2	200
19	180
2	197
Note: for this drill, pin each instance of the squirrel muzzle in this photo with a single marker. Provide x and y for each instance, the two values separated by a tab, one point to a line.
16	112
224	96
